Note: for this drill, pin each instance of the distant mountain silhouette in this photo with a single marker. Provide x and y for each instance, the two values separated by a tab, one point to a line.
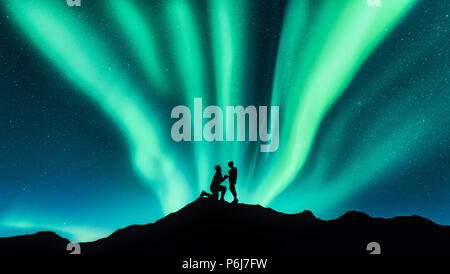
45	242
209	227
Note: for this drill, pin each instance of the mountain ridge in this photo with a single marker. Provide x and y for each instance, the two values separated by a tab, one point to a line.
208	227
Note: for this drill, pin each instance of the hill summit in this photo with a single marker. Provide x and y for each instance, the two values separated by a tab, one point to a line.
209	227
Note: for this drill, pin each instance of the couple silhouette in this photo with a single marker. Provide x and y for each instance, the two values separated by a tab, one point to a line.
216	184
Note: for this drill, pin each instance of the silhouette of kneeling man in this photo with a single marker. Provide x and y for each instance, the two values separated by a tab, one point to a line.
216	186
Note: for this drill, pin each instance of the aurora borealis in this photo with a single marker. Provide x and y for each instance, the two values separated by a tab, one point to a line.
86	96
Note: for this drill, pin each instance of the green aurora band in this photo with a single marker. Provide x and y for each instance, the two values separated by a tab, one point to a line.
323	71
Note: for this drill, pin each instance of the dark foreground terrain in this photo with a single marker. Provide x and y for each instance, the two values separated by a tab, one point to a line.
213	228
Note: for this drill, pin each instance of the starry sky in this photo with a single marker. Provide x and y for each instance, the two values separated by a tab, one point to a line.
86	95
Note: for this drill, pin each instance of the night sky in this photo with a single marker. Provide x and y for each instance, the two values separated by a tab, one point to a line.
86	95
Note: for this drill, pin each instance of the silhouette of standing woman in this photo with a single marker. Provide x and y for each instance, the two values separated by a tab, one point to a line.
216	186
232	176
